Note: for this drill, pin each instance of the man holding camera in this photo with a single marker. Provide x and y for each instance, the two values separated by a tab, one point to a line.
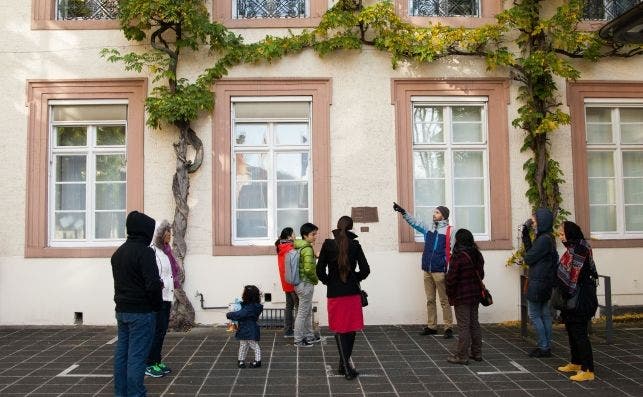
438	242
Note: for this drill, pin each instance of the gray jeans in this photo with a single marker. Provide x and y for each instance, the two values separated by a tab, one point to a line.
304	320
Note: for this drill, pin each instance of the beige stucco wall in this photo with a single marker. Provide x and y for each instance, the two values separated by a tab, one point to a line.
363	173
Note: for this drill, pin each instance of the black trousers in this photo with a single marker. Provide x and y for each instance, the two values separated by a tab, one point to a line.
580	345
162	320
292	304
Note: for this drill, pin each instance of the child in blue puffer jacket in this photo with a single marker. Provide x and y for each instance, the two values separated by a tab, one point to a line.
248	333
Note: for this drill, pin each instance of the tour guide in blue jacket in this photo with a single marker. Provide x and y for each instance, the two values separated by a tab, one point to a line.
434	264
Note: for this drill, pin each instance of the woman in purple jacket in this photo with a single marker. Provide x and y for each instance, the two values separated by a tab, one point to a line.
463	285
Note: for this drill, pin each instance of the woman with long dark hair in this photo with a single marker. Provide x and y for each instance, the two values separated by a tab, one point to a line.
463	284
337	266
577	277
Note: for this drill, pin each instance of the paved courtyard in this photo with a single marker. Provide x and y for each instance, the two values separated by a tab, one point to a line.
393	361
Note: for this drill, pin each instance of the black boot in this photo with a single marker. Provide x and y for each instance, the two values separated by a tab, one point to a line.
348	350
343	359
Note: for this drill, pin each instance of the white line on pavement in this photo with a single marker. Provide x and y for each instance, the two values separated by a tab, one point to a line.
66	373
521	370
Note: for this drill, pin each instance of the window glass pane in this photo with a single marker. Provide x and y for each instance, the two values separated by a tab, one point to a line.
633	190
602	191
110	135
467	164
272	110
291	134
71	136
602	218
443	8
86	9
429	192
292	195
291	218
111	167
425	213
89	112
252	224
110	196
467	113
428	164
69	225
599	133
632	164
71	168
428	124
110	225
631	115
70	196
252	166
632	133
467	132
468	192
598	115
634	218
252	195
471	218
250	134
292	166
248	9
600	164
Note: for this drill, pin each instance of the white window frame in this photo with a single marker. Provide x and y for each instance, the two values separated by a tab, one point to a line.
617	148
90	151
447	147
478	15
234	13
270	149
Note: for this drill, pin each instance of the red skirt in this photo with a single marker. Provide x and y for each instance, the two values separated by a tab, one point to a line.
345	314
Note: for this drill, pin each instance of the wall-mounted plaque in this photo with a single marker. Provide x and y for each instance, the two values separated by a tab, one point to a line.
364	214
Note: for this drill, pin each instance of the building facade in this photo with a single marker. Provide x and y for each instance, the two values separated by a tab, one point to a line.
304	138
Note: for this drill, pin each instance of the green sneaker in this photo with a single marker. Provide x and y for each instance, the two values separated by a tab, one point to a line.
154	371
164	368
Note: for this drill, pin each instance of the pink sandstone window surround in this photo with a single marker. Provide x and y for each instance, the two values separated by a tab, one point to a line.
222	12
39	93
225	90
497	92
488	11
577	93
43	18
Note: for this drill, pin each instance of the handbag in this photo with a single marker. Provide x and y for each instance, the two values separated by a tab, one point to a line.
364	296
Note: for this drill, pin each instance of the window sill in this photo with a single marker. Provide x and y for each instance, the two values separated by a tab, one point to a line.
621	243
456	22
243	250
483	245
270	23
50	24
85	252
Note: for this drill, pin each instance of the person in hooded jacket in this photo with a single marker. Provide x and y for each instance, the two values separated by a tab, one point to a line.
542	259
283	245
137	294
464	287
577	276
337	269
248	334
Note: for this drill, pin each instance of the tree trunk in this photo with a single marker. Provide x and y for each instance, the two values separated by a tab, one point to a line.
182	314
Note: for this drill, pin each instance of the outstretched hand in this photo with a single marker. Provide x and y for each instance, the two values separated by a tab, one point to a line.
396	207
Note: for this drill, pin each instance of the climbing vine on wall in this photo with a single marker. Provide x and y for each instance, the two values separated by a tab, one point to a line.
532	49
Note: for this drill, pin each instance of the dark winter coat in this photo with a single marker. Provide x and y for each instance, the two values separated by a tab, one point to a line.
137	284
247	317
328	267
462	282
587	300
541	257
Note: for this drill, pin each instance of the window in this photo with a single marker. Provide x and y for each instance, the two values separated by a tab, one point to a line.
74	14
464	13
269	13
607	156
452	149
88	177
606	10
272	161
85	165
271	155
450	160
615	168
444	8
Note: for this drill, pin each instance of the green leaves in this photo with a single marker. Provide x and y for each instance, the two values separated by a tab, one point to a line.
182	105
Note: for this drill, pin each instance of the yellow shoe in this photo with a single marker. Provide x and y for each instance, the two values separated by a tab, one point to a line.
582	376
570	368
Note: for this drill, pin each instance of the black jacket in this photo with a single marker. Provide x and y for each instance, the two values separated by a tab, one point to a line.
541	257
137	285
328	259
247	317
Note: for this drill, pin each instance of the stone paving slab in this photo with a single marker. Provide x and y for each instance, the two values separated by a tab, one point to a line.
392	360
